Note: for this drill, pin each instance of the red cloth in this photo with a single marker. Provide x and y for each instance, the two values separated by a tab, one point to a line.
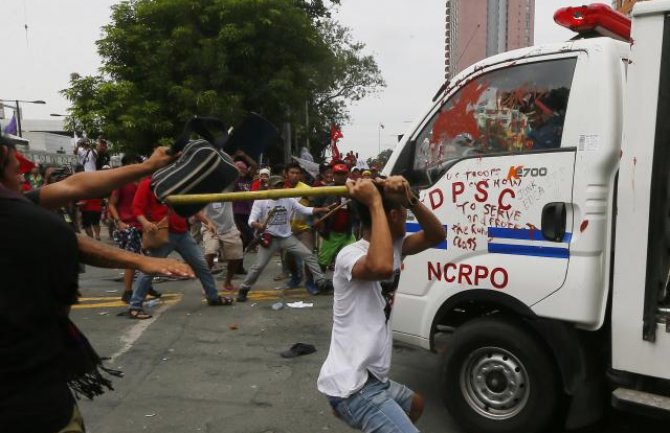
335	134
25	165
25	187
124	204
256	185
341	221
92	205
145	203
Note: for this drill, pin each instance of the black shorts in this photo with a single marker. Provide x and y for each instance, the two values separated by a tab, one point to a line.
90	218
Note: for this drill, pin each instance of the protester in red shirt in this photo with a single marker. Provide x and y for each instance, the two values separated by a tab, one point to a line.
149	213
128	231
91	210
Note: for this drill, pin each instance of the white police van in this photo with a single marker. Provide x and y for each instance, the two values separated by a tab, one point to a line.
550	168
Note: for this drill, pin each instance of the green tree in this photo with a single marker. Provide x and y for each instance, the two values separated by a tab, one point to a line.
164	61
381	159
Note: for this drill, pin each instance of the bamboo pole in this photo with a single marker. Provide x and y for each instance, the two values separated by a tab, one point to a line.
256	195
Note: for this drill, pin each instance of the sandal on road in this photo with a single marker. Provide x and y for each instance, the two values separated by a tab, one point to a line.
280	277
221	300
228	289
138	314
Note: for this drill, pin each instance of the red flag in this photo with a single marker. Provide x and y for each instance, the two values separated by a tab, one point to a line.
25	165
335	133
334	151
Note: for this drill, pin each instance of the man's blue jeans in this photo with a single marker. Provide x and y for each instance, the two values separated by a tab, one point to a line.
185	245
377	408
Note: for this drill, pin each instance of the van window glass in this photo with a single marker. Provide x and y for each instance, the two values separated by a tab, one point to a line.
515	109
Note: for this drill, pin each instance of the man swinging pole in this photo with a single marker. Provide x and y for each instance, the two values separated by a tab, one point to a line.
355	375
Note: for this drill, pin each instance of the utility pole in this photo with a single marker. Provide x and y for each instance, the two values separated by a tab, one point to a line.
287	142
307	124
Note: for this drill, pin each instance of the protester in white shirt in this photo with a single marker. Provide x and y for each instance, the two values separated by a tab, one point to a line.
355	375
278	228
86	155
222	237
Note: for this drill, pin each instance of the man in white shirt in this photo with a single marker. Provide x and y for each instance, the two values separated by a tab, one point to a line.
355	375
278	227
222	237
86	155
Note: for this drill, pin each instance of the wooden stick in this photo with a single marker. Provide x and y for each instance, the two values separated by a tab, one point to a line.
257	195
332	211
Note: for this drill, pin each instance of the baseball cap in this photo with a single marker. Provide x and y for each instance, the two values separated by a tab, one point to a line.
275	180
340	168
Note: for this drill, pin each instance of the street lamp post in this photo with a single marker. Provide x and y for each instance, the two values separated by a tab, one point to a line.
17	110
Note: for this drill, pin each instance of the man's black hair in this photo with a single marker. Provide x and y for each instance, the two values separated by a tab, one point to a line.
324	166
4	153
130	158
290	165
364	213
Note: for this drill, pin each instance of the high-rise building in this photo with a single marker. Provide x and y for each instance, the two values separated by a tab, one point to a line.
476	29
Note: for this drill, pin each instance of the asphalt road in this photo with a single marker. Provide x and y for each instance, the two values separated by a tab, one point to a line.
195	368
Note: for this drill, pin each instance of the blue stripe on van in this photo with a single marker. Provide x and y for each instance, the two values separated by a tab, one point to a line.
523	234
415	227
529	250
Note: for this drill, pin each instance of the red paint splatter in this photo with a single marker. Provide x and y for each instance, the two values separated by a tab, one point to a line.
583	226
459	118
533	229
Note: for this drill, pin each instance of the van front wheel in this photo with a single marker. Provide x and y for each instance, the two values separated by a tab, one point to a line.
498	378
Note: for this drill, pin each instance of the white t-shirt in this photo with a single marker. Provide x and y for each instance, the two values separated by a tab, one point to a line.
87	158
280	223
361	340
221	214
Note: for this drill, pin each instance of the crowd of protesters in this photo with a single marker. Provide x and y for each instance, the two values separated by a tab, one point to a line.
46	358
309	232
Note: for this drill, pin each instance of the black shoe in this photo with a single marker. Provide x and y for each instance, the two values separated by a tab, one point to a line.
242	295
324	286
220	300
155	293
126	297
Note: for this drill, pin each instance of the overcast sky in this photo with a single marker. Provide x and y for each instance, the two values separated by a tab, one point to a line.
405	36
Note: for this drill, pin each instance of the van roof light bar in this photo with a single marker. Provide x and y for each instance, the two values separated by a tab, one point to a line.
597	17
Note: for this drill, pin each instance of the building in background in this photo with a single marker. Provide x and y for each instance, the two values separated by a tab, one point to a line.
476	29
624	6
45	141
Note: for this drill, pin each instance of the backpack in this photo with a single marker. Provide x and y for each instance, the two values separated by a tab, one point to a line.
203	166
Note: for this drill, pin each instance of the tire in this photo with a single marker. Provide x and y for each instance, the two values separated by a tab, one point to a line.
499	378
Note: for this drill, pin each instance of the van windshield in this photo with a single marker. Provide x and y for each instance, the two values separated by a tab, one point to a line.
515	109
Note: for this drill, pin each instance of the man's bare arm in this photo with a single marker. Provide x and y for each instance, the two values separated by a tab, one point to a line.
97	184
432	232
97	254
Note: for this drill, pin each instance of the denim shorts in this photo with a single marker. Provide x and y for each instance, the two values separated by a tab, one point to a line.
377	407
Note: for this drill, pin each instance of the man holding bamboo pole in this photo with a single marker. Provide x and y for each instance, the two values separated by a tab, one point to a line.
279	230
355	375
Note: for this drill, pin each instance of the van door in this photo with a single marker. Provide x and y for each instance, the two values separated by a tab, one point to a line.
490	165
